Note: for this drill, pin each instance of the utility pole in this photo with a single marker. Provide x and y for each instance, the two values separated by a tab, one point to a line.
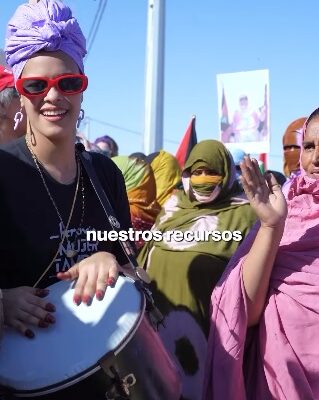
154	83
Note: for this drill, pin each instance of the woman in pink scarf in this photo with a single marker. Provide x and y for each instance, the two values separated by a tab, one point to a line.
265	310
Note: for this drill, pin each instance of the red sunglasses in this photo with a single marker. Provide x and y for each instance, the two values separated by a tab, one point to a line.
39	86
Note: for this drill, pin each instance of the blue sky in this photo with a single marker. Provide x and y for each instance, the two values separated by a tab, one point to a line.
203	38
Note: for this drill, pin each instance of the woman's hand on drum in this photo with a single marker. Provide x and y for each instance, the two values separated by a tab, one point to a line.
93	275
264	194
25	307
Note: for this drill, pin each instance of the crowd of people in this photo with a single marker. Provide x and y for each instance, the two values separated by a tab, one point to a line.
237	288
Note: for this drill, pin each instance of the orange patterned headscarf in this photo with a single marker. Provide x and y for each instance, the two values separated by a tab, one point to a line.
167	175
141	192
292	141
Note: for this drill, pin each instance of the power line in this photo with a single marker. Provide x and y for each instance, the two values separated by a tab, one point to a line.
121	128
95	18
96	27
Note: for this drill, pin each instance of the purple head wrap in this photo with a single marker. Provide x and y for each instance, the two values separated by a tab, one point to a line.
110	142
47	25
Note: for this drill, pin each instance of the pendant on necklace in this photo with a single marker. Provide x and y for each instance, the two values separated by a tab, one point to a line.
70	253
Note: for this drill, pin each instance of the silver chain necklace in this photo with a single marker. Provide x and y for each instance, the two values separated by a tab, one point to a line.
71	251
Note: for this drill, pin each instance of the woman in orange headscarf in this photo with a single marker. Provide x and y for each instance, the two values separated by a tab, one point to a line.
141	192
292	141
167	174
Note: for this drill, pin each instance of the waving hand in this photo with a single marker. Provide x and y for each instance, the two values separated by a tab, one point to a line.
264	194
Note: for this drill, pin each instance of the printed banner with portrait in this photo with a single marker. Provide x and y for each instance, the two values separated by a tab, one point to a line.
243	110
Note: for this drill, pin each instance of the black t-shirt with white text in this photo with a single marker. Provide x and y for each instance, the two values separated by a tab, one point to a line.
31	230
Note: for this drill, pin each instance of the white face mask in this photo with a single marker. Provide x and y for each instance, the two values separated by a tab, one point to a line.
206	199
200	197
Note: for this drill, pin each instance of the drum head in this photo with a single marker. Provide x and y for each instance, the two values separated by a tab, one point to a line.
70	349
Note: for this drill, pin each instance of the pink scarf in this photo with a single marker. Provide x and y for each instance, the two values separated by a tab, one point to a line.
280	358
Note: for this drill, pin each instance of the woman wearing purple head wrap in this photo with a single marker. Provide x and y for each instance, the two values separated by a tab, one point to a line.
47	207
107	145
45	49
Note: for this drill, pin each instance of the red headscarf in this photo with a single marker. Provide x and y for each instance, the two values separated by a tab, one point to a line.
6	78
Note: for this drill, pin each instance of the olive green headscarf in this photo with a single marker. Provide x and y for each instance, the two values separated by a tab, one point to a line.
215	156
229	211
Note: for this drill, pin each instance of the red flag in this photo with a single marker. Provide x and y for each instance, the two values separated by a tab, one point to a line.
188	142
263	159
224	122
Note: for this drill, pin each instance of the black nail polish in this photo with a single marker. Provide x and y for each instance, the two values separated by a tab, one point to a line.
50	307
29	334
42	292
49	318
43	324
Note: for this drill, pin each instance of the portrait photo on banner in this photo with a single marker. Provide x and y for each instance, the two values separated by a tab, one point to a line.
243	110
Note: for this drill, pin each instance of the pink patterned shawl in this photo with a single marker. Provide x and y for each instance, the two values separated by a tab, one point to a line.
279	358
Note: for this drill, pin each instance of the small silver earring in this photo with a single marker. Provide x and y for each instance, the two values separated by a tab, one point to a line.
81	117
17	119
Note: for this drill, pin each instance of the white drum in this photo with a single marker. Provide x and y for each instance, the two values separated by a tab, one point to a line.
91	350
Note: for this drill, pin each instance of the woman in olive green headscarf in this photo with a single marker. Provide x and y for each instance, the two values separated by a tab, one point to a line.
184	271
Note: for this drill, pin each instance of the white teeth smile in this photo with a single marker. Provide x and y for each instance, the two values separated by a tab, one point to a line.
53	113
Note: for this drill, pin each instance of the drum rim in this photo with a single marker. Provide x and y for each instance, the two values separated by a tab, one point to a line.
89	371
